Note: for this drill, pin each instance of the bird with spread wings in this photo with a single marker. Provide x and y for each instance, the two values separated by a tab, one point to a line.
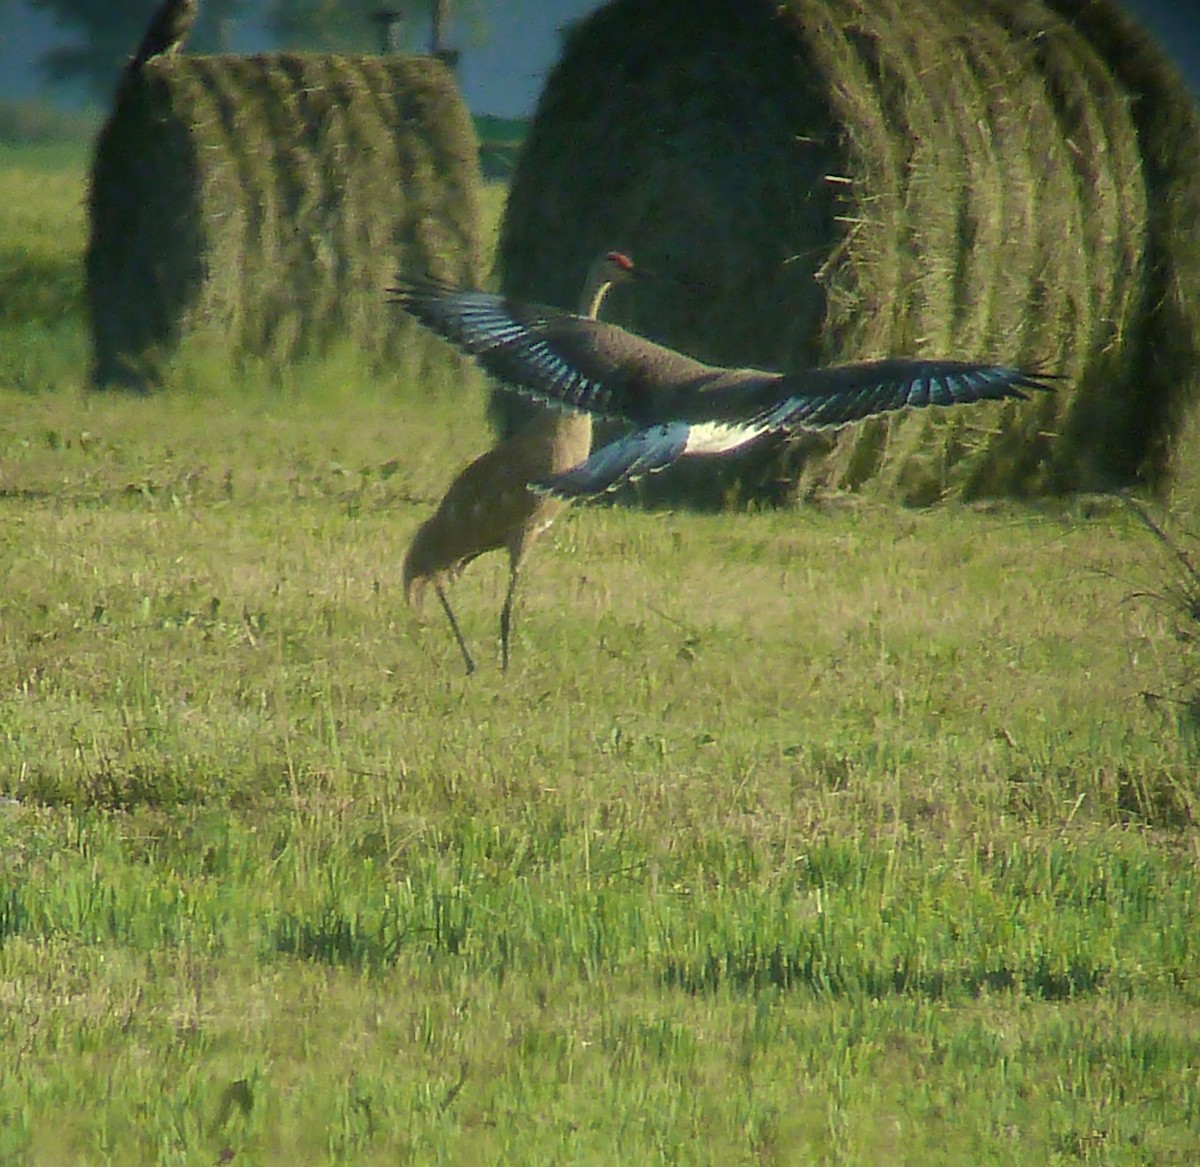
674	405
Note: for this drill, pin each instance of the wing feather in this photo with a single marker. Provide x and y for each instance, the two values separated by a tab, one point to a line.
822	398
628	457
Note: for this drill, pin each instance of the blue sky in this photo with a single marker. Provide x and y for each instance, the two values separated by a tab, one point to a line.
503	73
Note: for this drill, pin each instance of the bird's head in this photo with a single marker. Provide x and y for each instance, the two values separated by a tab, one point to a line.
608	270
619	268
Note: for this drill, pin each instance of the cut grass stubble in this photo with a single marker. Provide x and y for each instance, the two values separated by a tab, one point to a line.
837	835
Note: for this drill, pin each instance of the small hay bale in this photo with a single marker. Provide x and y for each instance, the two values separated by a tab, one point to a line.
835	180
267	202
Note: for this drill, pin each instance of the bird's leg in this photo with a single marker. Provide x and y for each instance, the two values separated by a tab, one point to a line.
454	627
506	614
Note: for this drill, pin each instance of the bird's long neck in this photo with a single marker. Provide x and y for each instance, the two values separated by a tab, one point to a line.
571	433
594	290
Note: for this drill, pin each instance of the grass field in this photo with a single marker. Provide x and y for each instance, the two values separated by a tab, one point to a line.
838	835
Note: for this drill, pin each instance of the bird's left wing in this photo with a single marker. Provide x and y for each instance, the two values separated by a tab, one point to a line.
476	322
628	457
820	398
555	357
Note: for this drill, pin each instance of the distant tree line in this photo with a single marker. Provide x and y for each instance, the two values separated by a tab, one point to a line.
106	32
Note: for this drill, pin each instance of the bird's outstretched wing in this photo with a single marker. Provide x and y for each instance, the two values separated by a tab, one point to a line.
840	394
574	362
558	358
473	321
748	404
622	460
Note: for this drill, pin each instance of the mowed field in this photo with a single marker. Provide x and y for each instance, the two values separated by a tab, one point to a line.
843	834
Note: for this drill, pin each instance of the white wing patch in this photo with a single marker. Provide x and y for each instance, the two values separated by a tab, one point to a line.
712	437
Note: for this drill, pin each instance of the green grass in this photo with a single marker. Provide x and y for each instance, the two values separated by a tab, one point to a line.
840	835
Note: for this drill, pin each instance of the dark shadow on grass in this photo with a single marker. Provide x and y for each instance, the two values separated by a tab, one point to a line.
338	940
754	971
441	928
13	917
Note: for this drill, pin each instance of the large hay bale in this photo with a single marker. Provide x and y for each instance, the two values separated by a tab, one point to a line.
1139	430
841	179
269	201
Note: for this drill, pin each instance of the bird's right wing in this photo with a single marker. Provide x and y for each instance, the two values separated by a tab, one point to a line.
834	396
628	457
557	358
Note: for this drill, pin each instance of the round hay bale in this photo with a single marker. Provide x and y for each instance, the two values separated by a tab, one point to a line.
833	180
1136	434
269	201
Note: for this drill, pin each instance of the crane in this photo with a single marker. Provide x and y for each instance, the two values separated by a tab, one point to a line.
489	505
674	405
